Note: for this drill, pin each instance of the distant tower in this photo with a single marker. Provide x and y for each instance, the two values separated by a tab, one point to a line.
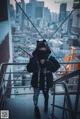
32	1
18	14
63	8
76	20
22	14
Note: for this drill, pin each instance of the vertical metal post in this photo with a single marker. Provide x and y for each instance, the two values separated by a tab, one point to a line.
52	114
64	107
77	98
71	115
66	112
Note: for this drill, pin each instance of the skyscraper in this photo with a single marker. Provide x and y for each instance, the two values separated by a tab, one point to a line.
18	13
76	19
22	14
69	25
46	16
62	14
34	10
32	1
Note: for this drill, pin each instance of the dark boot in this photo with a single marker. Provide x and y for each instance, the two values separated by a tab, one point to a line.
37	112
46	106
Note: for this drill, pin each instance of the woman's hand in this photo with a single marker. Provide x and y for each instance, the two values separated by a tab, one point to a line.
42	61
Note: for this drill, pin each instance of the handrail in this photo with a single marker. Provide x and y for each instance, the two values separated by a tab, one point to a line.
70	110
72	74
57	93
2	65
68	76
67	94
77	98
26	63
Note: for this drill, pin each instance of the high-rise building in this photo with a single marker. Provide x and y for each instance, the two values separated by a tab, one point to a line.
39	9
69	23
22	14
18	13
29	9
32	1
76	4
34	10
20	17
46	16
54	17
76	19
12	12
62	14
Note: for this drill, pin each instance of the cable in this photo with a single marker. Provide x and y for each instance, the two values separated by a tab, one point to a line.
38	30
29	20
26	52
63	22
35	26
60	27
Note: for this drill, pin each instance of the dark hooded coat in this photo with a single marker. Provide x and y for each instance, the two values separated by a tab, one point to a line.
42	73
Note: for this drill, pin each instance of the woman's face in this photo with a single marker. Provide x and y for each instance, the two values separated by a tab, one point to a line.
42	53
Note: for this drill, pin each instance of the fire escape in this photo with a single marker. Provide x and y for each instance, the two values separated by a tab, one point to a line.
64	98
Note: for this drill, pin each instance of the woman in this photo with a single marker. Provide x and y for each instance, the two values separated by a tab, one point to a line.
42	65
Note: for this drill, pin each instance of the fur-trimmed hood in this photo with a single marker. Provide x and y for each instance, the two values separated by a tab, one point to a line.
41	44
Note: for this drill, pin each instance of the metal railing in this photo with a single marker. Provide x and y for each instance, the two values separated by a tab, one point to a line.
73	113
67	110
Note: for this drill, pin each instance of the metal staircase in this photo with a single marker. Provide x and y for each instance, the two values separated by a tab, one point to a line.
64	103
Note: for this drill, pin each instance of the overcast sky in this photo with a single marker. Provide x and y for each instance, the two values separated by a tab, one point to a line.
54	5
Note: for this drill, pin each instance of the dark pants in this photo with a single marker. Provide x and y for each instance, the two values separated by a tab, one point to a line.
36	95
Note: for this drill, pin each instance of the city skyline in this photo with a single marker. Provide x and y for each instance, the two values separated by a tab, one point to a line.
52	5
